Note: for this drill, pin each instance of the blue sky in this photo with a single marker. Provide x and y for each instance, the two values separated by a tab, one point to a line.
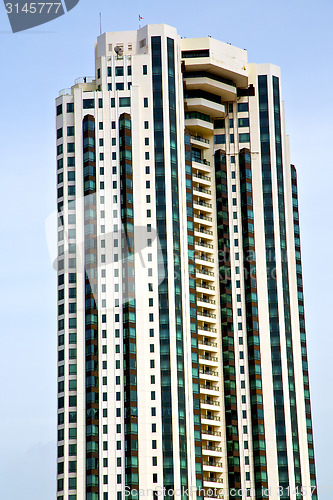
34	66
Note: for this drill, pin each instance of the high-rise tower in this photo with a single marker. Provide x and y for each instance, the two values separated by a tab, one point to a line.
182	351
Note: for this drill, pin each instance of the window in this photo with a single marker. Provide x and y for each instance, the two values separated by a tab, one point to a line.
147	182
70	131
242	106
124	102
219	139
72	450
113	102
100	125
71	176
244	137
88	103
109	71
119	86
152	363
243	122
145	102
72	466
146	141
70	107
70	147
129	70
59	133
59	110
119	70
144	69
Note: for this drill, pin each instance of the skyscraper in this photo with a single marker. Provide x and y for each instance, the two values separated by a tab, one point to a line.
182	351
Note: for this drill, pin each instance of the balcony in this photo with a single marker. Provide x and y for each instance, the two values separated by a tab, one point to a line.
211	373
203	105
203	258
211	83
208	463
211	417
199	141
210	403
207	357
202	203
202	217
205	272
206	329
205	233
216	449
209	343
205	301
200	176
198	123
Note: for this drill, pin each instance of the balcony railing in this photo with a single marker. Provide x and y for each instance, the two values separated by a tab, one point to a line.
209	402
203	217
204	271
85	79
203	257
201	176
208	342
200	160
202	190
207	329
199	138
209	387
211	464
212	448
209	372
208	358
203	244
207	287
202	203
211	417
207	314
210	433
206	301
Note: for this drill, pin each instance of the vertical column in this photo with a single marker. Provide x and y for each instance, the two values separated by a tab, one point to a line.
163	289
285	284
193	314
252	324
91	312
230	393
280	424
303	335
129	314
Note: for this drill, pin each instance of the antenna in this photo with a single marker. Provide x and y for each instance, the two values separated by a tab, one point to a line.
100	23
